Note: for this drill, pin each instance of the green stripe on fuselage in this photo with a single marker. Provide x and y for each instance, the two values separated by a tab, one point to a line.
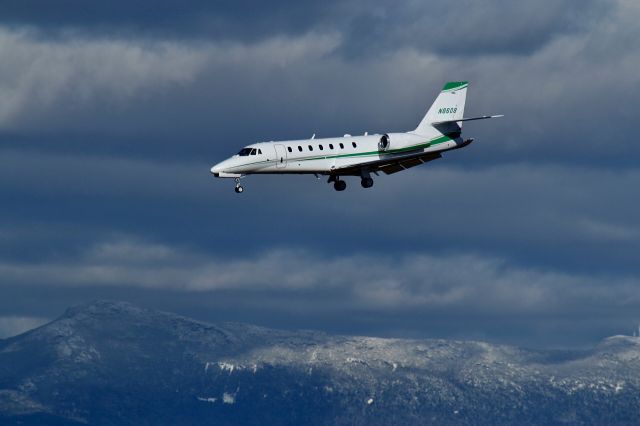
436	141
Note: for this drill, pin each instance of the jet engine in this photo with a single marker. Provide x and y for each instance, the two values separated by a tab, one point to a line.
384	143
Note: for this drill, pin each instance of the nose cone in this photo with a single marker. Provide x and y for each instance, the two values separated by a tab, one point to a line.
227	169
215	170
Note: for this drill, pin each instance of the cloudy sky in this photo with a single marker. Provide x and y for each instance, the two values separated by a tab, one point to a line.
112	114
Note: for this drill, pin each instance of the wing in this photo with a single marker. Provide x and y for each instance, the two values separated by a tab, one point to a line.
401	165
390	165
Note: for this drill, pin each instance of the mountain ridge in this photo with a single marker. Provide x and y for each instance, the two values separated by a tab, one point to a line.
109	362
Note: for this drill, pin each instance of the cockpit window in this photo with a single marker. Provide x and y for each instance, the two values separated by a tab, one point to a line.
260	151
244	152
254	151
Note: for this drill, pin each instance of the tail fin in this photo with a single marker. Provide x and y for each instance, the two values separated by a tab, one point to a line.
448	106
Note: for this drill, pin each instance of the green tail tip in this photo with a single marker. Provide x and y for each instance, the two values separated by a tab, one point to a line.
454	85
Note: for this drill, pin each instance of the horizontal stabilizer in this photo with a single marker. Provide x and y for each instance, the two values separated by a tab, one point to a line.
484	117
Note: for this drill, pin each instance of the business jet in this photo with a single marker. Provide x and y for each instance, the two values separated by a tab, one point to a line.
439	131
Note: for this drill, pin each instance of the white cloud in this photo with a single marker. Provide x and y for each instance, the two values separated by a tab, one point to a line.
40	76
378	282
608	231
37	74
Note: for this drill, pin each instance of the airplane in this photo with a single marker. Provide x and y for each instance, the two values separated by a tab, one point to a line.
440	130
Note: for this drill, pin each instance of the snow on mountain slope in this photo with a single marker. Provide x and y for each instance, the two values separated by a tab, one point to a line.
114	363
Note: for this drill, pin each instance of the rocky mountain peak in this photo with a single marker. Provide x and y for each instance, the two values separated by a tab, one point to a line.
162	368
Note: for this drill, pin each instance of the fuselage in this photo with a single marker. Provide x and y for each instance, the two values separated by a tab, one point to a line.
330	155
440	130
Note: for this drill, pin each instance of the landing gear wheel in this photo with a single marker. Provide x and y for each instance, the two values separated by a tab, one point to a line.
239	187
340	185
366	182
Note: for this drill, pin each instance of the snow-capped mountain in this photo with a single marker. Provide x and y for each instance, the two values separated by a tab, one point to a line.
114	363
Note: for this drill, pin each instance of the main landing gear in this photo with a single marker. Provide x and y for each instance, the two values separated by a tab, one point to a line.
340	185
239	187
366	182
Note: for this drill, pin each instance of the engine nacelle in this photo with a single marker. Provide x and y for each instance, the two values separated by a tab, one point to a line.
384	143
391	141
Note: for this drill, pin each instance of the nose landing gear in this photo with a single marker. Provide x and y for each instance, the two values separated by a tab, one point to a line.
239	189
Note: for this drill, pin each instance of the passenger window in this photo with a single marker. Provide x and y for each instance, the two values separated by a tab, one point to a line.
321	148
299	148
310	148
253	151
330	146
354	144
341	145
289	148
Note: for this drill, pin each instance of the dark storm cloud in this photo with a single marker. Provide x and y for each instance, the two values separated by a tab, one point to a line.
369	28
110	120
463	27
104	95
241	20
535	214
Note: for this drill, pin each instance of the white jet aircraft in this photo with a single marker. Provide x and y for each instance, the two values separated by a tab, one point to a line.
440	130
